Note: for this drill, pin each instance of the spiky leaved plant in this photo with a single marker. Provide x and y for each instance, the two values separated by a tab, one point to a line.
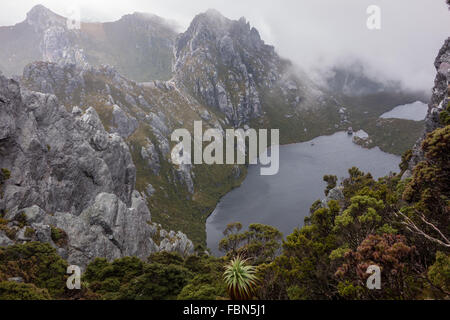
240	279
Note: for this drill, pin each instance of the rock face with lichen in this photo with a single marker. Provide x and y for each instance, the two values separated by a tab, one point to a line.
124	107
226	65
139	45
59	161
91	122
67	173
439	101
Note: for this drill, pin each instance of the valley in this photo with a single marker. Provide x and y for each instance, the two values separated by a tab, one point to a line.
133	163
218	71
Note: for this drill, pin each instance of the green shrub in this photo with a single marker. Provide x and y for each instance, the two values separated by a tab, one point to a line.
166	258
159	282
21	219
439	273
37	263
206	286
22	291
5	174
29	232
59	236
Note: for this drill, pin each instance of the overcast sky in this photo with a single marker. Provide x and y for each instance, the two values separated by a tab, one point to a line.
312	33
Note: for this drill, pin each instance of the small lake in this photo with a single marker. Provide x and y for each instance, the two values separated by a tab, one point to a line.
416	111
283	200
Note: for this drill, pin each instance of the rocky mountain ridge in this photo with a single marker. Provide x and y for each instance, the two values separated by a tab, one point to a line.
439	102
223	74
69	174
144	115
226	65
139	45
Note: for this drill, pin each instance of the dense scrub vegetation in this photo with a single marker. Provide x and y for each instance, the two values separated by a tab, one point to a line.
399	224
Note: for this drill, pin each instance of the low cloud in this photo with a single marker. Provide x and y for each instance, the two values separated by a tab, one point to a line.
314	34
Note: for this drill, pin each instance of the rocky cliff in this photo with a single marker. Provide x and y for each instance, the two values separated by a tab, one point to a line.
62	173
226	65
439	101
144	115
223	74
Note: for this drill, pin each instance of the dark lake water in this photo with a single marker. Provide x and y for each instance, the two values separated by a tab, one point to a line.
283	200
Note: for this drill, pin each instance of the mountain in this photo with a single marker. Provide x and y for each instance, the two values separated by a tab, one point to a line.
218	71
364	99
439	104
138	45
226	65
351	79
144	115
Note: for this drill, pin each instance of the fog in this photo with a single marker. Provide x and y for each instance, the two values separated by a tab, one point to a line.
313	34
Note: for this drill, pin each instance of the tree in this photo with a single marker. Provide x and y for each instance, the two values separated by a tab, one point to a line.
206	286
130	278
428	192
260	243
361	218
232	238
158	282
22	291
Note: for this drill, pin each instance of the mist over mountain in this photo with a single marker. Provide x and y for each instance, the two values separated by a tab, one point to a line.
86	122
304	31
139	45
144	80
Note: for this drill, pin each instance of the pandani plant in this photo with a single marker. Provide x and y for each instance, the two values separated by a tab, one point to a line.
240	279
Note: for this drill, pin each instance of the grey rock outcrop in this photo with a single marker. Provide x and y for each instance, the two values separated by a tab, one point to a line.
439	101
335	194
142	43
16	279
149	190
175	242
125	125
62	80
67	172
150	155
4	240
109	229
57	41
71	85
212	41
227	66
58	162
